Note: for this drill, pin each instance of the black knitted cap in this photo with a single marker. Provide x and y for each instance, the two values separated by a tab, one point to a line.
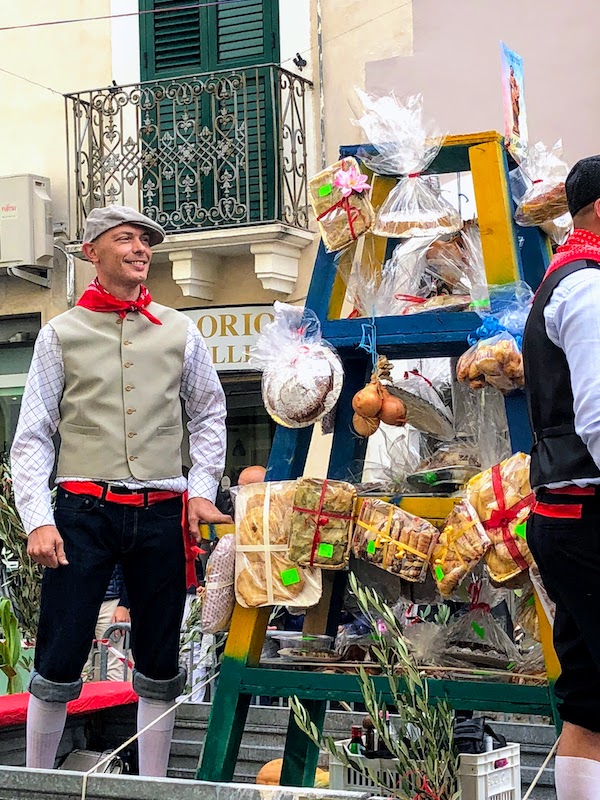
583	184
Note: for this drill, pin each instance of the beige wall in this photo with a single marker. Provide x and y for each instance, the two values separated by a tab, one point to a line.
456	65
355	33
32	134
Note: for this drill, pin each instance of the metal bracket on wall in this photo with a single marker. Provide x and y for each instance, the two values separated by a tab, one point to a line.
32	277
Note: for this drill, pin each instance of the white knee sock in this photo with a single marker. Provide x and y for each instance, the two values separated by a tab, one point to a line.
577	778
154	745
45	725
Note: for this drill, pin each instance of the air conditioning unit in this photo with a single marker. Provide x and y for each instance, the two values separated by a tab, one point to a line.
26	235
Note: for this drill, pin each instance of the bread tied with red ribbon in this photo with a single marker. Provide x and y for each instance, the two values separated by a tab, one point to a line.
503	500
321	523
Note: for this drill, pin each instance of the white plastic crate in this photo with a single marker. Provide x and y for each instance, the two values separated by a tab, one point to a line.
491	776
349	780
485	776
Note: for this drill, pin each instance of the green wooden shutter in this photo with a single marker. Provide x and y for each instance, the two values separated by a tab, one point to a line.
173	42
243	33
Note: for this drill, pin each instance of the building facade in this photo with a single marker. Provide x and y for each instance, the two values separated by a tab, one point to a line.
210	117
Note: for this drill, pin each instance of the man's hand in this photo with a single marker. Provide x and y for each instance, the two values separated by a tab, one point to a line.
121	615
202	510
46	547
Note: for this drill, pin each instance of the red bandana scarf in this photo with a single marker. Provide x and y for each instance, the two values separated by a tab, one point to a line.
96	298
580	245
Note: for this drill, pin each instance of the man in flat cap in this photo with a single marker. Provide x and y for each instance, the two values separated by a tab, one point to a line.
561	351
108	376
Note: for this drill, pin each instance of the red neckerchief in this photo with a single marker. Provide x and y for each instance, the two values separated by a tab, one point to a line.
96	298
581	244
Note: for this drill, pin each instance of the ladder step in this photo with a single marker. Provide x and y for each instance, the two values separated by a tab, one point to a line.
441	333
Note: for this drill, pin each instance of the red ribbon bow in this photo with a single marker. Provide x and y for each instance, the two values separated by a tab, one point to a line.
474	591
352	213
504	516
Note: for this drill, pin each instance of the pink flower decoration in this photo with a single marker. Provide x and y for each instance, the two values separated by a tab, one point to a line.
350	180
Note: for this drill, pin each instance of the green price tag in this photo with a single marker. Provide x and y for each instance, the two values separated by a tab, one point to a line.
325	190
520	529
325	550
371	547
480	303
290	576
430	478
531	601
439	573
478	630
512	665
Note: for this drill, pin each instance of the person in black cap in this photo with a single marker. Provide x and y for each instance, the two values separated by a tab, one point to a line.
109	375
561	353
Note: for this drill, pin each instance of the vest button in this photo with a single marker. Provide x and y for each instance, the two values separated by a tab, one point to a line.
129	388
127	342
133	458
119	321
128	364
131	435
131	410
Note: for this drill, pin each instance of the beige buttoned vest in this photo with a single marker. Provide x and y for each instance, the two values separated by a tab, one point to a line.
120	413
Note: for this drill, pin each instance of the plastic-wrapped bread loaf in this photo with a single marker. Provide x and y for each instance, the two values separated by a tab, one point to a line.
264	575
461	546
321	523
410	557
503	500
393	539
219	595
341	219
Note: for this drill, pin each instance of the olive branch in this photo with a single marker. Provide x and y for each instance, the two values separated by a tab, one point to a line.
426	764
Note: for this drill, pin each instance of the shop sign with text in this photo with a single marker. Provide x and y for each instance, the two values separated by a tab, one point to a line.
230	332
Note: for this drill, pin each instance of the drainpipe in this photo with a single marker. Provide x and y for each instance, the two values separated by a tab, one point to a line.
70	277
321	83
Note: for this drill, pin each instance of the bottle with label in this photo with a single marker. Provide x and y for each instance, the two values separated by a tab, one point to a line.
356	746
369	730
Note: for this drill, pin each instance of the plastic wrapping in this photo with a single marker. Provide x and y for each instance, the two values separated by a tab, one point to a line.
480	422
461	546
545	200
264	575
547	604
339	198
393	539
219	595
503	500
495	362
526	615
425	409
427	643
477	638
559	229
302	374
321	523
406	144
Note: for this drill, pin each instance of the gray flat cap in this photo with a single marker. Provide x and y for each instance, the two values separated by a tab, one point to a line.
100	220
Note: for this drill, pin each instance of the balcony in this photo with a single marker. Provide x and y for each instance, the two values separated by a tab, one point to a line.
218	159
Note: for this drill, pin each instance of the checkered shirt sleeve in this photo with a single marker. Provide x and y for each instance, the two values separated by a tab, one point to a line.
32	453
205	405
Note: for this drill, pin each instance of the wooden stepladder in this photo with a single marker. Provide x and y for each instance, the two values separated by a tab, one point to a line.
510	253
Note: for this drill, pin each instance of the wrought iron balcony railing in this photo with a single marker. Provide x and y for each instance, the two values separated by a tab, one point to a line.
209	151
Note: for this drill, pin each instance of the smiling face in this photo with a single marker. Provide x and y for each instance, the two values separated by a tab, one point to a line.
122	258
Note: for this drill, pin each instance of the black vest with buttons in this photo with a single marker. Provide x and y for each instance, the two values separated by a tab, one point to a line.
558	453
